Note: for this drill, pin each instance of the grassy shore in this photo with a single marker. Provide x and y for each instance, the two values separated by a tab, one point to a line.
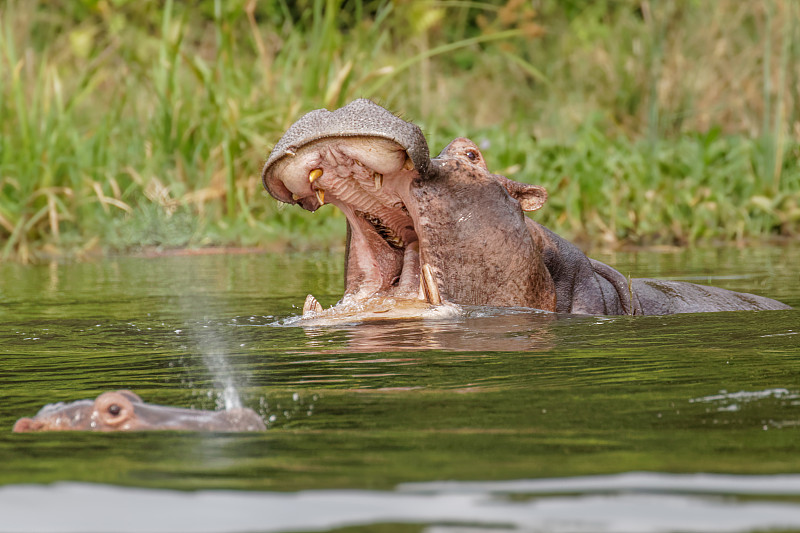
130	124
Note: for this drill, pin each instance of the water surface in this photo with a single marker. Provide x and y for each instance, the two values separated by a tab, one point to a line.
532	416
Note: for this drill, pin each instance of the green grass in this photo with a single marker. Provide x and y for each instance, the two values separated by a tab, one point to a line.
126	124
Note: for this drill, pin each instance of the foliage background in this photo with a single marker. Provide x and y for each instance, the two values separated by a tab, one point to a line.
128	123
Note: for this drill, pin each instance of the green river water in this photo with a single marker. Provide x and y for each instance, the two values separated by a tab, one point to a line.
497	421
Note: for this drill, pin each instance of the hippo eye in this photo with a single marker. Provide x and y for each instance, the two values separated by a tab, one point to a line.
472	155
114	409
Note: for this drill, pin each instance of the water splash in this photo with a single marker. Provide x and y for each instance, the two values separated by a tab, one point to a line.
217	364
210	344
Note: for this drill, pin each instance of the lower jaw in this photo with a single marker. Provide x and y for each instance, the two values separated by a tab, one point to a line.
416	282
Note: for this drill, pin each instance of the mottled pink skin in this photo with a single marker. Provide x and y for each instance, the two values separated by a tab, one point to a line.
125	411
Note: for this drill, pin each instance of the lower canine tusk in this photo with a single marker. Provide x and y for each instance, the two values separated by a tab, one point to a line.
429	287
311	305
320	196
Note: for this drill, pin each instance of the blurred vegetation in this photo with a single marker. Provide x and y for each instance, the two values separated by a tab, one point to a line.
145	123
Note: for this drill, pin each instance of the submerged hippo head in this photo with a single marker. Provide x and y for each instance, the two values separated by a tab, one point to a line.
435	229
125	411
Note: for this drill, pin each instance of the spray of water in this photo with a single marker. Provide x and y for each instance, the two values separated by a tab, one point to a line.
211	346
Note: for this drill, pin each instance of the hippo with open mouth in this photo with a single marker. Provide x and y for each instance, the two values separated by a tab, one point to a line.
125	411
424	233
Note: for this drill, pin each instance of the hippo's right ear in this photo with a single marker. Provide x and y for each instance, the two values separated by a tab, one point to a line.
530	197
132	396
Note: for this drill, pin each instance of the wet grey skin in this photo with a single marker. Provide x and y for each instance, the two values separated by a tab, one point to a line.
448	230
125	411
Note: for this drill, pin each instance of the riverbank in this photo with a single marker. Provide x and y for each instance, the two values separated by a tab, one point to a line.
132	126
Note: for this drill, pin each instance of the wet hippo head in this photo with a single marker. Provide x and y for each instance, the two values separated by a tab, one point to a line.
434	229
125	411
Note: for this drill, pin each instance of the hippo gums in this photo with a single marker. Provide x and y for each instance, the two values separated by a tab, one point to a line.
125	411
446	230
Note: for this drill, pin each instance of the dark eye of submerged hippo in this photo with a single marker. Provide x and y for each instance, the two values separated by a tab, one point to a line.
448	231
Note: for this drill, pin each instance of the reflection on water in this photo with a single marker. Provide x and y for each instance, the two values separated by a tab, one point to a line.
476	329
627	503
386	421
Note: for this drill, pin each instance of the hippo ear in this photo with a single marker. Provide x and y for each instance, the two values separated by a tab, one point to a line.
132	396
530	197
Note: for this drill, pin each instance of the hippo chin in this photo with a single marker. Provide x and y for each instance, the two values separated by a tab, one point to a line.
448	230
125	411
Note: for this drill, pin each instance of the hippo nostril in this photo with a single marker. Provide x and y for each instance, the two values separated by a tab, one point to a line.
114	409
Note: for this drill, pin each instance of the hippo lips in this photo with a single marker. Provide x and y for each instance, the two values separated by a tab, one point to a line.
369	180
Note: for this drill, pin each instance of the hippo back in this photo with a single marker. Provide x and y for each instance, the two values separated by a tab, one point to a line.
661	297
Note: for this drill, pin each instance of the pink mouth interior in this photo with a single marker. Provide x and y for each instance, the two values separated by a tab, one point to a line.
367	178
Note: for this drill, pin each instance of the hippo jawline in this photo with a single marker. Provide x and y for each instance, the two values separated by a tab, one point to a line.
369	179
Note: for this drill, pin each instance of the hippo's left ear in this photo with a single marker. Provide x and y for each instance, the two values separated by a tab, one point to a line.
530	197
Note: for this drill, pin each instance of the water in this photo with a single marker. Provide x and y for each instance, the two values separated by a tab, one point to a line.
494	422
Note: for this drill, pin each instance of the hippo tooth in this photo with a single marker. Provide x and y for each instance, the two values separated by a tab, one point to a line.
359	163
429	287
314	175
320	196
311	305
394	241
378	181
295	197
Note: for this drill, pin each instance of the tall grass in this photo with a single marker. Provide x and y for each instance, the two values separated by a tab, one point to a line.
127	124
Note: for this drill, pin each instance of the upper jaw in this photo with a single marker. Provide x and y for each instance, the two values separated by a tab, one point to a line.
359	120
292	178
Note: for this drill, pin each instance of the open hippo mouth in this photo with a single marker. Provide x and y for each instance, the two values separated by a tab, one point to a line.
367	171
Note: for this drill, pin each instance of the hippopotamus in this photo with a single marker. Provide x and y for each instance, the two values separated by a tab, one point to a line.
124	410
446	229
